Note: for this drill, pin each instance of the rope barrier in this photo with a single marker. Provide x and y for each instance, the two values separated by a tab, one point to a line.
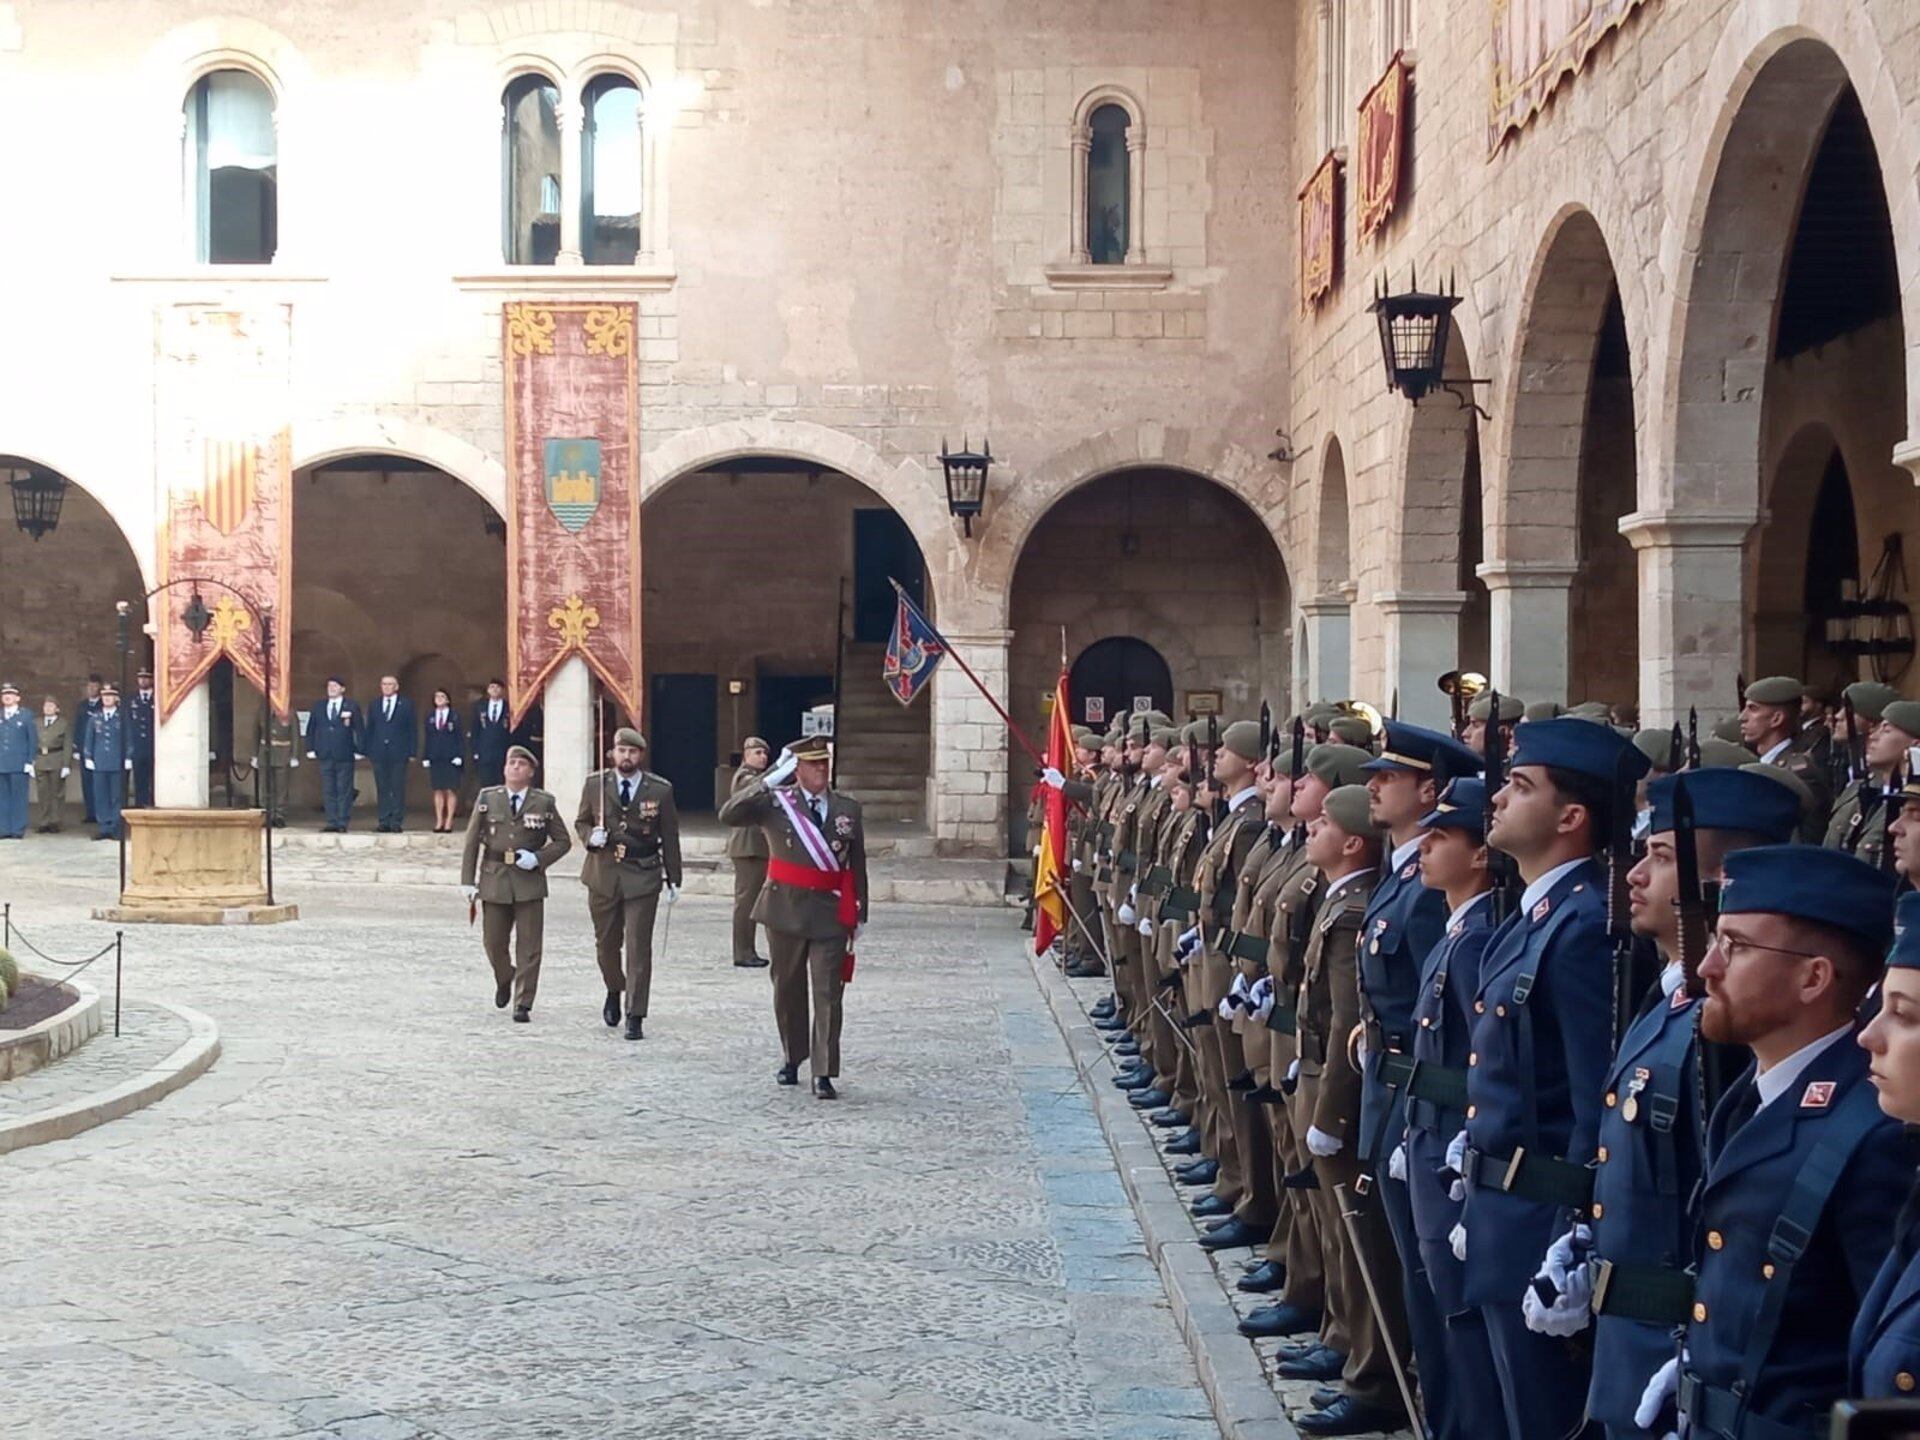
114	947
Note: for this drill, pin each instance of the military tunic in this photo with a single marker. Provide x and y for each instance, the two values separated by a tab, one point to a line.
52	763
513	900
624	876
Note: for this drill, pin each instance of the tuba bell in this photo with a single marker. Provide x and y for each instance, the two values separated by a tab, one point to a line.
1460	686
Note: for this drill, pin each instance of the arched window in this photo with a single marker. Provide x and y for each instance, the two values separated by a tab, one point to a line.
610	172
1109	187
232	162
530	171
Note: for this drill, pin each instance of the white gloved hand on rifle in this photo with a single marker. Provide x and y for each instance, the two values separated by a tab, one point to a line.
1563	1275
1659	1399
1053	779
1262	997
1456	1158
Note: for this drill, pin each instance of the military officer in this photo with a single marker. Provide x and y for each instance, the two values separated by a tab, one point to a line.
814	904
1625	1272
89	707
747	850
52	764
1803	1168
107	762
1137	835
1769	725
17	752
1541	1041
513	838
279	753
492	732
1168	947
1082	790
631	830
1865	809
140	727
1404	921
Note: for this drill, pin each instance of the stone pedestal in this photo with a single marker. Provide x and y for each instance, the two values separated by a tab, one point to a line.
195	867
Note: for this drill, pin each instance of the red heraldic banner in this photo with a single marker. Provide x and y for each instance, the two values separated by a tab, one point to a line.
573	495
1536	45
224	449
1320	232
1383	129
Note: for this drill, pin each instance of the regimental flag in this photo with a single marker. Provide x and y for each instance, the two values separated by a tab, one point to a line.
1050	870
914	651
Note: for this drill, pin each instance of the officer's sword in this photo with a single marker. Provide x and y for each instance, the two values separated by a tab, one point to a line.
1343	1198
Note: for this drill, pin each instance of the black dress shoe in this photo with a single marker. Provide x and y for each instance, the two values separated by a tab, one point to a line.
1102	1008
1201	1172
1272	1320
1086	969
1147	1098
1325	1396
1169	1119
1242	1081
1187	1144
823	1089
1127	1049
1319	1363
634	1030
1235	1234
788	1075
521	1015
1348	1416
610	1012
1111	1022
1208	1206
502	994
1263	1279
753	962
1134	1077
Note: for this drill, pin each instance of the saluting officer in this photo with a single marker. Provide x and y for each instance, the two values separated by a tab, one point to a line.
747	850
53	745
17	752
631	830
513	838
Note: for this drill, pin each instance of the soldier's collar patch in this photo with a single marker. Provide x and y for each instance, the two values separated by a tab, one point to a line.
1540	910
1679	1000
1817	1096
1410	869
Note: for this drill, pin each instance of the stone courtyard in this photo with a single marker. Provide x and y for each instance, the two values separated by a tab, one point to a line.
388	1212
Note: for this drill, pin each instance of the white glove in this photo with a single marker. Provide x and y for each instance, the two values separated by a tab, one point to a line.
65	771
671	893
1260	998
1053	779
425	763
1239	989
526	859
457	760
28	767
1145	927
1293	1070
1456	1157
1565	1270
781	769
469	892
129	765
89	764
1663	1387
1457	1239
293	762
1124	914
598	839
1323	1144
1226	1007
310	755
1076	864
1397	1163
1186	943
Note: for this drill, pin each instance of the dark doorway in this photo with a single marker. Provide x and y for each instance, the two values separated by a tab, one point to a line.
1833	570
1113	673
685	737
883	547
782	699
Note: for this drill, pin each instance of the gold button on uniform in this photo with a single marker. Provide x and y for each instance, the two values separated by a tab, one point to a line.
1598	1210
1612	1099
1473	1058
1479	1007
1426	1022
1766	1272
1500	1010
1699	1310
1903	1382
1603	1155
1472	1110
1715	1239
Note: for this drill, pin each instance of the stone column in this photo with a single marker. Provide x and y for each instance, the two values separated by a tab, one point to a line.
1530	639
1692	618
970	747
1136	195
1329	668
1422	635
568	711
180	747
1082	141
573	121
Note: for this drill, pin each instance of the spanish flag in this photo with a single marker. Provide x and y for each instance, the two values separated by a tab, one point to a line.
1050	873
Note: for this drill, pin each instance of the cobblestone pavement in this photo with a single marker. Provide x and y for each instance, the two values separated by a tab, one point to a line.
389	1212
148	1034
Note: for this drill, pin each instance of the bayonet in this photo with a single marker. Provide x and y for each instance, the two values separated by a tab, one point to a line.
1619	908
1693	738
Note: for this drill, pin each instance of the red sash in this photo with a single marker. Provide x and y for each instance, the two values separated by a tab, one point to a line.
805	877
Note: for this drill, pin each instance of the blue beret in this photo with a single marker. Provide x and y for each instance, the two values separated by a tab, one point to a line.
1811	882
1726	799
1581	746
1905	954
1419	750
1463	806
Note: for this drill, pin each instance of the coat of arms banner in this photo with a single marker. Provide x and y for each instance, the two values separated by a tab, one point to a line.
1320	232
224	454
1537	44
1383	130
573	494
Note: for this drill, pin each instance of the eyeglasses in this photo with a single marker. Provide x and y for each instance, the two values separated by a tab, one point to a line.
1732	947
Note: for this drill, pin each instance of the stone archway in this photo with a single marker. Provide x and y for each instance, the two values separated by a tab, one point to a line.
1323	652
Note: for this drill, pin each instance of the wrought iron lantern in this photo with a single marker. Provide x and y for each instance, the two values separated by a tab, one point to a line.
196	617
1415	327
37	497
966	480
1875	623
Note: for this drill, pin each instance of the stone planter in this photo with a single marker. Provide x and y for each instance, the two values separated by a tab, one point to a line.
195	867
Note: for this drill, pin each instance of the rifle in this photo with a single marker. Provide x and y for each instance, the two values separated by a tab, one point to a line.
1500	867
1298	770
1626	998
1856	743
1697	903
1676	750
1266	727
1896	783
1693	738
1740	691
1213	753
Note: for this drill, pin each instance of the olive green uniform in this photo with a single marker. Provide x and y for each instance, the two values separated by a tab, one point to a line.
624	876
513	901
52	755
747	849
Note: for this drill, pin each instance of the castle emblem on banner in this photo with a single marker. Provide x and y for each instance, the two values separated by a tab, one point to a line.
573	482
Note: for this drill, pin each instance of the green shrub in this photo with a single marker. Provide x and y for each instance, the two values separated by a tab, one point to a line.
9	978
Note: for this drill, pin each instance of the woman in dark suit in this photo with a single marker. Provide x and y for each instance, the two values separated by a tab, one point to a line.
445	753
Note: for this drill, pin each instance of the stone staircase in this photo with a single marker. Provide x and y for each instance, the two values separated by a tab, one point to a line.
885	751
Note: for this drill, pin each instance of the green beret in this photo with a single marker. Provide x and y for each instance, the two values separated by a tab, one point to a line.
1728	729
1155	717
1351	808
627	735
1512	707
1597	711
1541	710
1194	732
1166	736
1351	730
1716	753
522	751
1657	746
1336	764
1870	698
1776	690
1780	775
1904	716
1085	739
754	742
1321	711
1242	737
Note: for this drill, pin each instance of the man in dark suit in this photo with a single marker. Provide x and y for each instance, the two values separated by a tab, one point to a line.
492	733
388	742
333	738
140	726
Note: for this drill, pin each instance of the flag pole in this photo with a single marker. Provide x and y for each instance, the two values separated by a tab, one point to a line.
967	670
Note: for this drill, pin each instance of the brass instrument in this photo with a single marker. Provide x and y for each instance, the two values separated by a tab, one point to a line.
1375	725
1460	687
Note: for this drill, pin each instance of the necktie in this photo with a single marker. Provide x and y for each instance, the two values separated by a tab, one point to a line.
389	707
626	792
333	710
1745	1104
516	804
819	808
493	712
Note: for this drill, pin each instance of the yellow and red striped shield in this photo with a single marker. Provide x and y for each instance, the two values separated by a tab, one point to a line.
229	482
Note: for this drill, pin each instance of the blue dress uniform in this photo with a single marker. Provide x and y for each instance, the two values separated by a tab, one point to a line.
1883	1360
1804	1174
107	759
1541	1044
1436	1111
1649	1156
333	739
18	747
87	710
140	727
1402	925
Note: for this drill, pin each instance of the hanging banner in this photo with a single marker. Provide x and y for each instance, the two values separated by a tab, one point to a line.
1320	233
573	480
1383	131
223	453
1537	44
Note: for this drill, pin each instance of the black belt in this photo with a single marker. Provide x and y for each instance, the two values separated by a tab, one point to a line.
1126	860
1156	882
1243	946
1715	1412
1285	1019
1657	1294
1180	900
1531	1177
1103	875
1442	1085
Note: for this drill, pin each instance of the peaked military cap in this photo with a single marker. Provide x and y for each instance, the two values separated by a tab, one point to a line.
522	751
1462	806
1336	764
1905	954
811	747
1811	882
1728	800
1512	707
1577	745
1351	808
1420	751
1776	690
